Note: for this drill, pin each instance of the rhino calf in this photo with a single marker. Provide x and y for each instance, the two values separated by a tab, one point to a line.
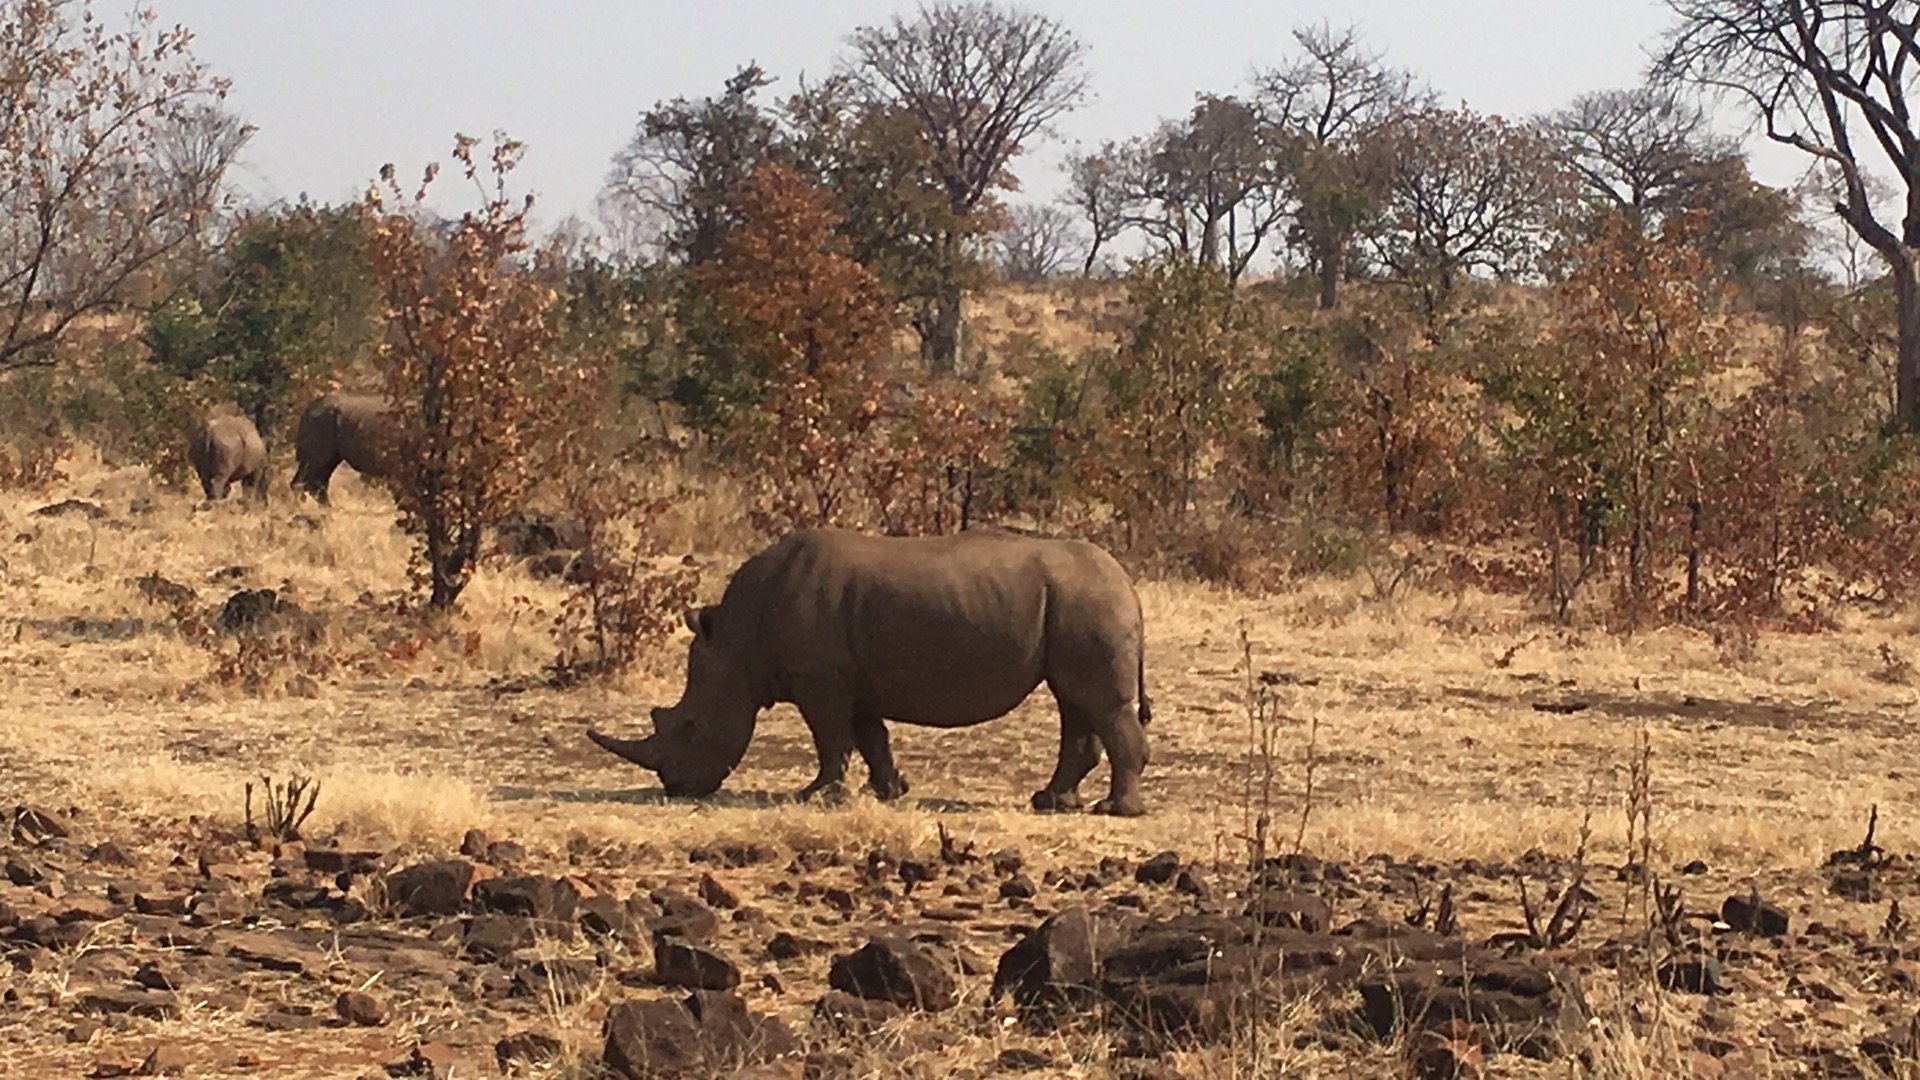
227	450
945	631
342	427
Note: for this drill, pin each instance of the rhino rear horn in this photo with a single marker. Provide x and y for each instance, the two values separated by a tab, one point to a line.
641	752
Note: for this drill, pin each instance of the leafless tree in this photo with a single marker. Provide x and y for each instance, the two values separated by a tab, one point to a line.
113	150
1333	100
983	82
1638	150
1820	75
1096	190
1035	243
1466	192
1213	186
671	187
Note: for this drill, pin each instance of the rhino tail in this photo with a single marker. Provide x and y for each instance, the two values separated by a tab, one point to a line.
1146	706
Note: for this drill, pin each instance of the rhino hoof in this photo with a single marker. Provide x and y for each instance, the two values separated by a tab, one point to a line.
1130	807
1055	802
889	792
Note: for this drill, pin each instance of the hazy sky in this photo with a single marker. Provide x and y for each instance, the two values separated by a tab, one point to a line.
338	87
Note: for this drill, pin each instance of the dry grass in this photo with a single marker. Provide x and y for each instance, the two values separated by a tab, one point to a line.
1429	743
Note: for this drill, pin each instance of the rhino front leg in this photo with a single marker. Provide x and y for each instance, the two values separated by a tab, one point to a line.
870	736
832	730
1079	753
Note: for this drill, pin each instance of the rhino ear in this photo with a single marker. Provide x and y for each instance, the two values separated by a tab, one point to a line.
701	621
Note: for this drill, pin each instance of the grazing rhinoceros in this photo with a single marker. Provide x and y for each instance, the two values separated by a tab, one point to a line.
226	450
342	427
943	631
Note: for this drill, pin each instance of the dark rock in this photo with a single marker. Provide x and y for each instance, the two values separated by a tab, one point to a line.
1058	964
848	1014
360	1008
677	962
733	855
683	916
1694	973
250	609
331	860
433	888
272	951
1893	1047
1019	1059
548	899
1299	910
109	854
526	1047
1192	884
505	852
1535	1009
166	1059
1018	887
717	894
897	970
1694	868
563	980
1752	915
603	916
710	1032
785	946
150	1004
158	975
1158	870
1855	884
474	844
497	937
1005	862
914	872
176	904
22	872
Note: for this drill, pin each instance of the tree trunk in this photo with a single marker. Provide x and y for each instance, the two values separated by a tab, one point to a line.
938	324
1906	378
1332	260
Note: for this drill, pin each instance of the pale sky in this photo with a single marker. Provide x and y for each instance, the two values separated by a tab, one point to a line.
339	87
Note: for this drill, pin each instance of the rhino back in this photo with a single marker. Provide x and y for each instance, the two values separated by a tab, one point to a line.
944	631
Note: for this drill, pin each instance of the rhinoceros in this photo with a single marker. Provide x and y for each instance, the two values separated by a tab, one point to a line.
226	450
353	428
945	631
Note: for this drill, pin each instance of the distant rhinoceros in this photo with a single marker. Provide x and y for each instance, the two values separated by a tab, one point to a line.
342	427
940	631
227	450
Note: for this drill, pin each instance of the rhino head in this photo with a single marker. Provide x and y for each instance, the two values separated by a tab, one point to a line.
696	743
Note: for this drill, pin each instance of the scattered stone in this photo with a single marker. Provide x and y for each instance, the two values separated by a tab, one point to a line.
711	1031
785	946
166	1059
274	952
676	962
1751	915
1693	973
1855	884
1190	883
897	970
474	844
83	1030
543	898
150	1004
561	979
1158	870
848	1014
684	916
157	975
433	888
1536	1009
1894	1046
717	894
360	1008
109	854
332	860
497	937
22	872
1018	887
603	916
1299	910
526	1047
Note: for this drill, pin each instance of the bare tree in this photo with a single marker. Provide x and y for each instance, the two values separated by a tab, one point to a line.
1638	150
1035	242
1096	190
1467	192
671	187
113	150
1333	100
982	81
1214	186
1820	74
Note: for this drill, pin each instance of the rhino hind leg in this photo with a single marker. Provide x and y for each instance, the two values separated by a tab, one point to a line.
883	777
1079	753
1126	742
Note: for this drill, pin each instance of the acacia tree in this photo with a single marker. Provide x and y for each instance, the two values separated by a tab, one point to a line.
1035	241
469	375
1096	191
113	149
1819	74
1212	187
1332	101
981	82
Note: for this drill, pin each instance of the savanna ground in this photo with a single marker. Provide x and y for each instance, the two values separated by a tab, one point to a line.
1417	709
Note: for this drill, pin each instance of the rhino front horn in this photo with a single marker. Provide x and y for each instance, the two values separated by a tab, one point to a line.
639	751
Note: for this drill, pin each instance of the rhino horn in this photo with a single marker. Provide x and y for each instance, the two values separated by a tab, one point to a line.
642	752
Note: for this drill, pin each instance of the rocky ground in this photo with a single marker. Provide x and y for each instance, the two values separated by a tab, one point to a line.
135	949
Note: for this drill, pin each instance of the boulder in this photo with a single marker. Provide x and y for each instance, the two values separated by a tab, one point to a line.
897	970
710	1032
